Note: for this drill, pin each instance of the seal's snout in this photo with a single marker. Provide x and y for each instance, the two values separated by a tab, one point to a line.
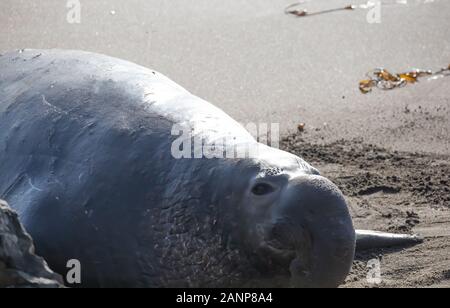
313	221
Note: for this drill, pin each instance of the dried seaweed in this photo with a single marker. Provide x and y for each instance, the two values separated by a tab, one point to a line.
291	10
294	9
385	80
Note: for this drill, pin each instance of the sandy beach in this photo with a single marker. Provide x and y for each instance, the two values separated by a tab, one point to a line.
388	151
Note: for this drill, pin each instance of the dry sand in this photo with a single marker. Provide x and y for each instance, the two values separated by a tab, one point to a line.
260	65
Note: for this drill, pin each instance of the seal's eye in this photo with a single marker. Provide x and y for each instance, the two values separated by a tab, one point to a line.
262	189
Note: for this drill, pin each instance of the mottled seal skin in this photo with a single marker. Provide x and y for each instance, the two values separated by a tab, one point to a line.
85	159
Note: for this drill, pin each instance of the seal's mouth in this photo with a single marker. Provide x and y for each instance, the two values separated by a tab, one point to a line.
287	248
289	262
274	244
278	251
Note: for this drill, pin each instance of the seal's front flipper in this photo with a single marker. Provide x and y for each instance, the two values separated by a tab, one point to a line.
367	239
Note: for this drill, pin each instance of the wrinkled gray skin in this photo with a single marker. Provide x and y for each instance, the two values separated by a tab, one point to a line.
85	159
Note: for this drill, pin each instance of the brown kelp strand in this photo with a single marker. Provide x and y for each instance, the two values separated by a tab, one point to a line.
383	79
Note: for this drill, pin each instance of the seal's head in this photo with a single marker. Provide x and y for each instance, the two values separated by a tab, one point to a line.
295	224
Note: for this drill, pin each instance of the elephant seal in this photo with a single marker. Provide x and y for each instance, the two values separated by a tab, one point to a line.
86	144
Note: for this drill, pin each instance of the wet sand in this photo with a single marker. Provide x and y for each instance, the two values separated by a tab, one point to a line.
400	192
